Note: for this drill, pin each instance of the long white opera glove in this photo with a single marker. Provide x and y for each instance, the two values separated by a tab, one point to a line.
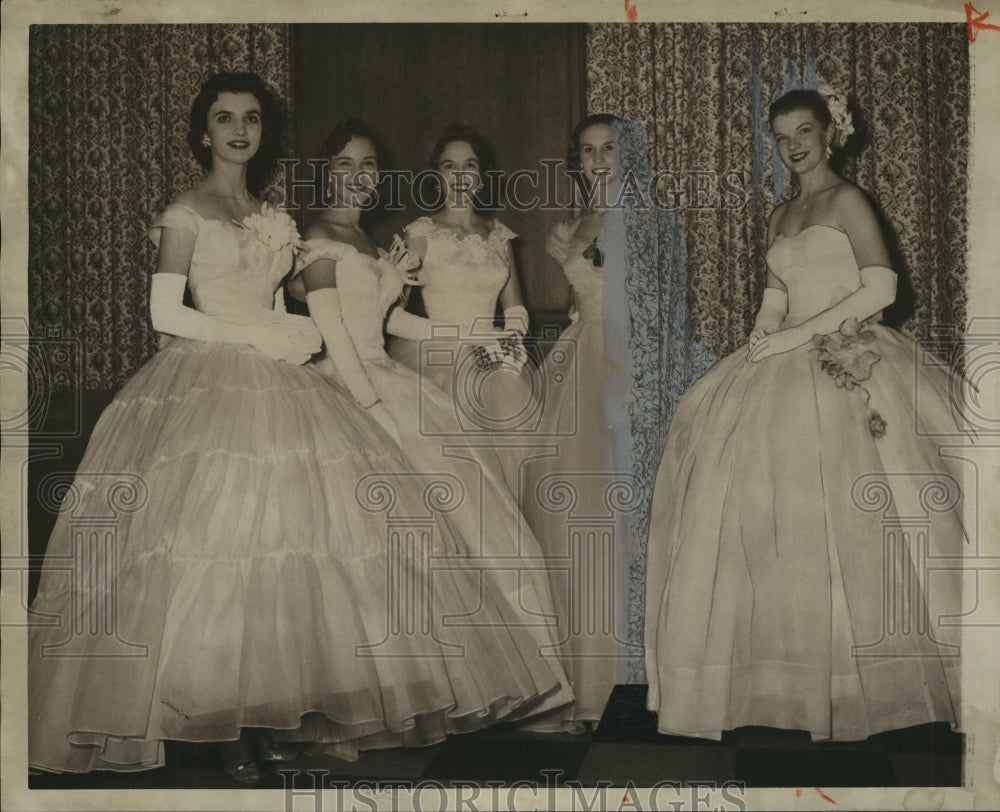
279	301
406	325
773	309
280	335
516	319
878	290
324	307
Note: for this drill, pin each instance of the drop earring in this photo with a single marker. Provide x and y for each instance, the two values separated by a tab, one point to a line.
206	141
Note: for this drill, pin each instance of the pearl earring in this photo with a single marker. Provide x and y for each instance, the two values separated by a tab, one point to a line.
206	141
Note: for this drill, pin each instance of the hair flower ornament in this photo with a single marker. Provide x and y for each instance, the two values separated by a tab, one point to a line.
842	120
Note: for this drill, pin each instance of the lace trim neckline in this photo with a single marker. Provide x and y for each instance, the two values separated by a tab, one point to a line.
495	226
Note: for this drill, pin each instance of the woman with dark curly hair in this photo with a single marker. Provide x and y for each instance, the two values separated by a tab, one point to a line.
786	584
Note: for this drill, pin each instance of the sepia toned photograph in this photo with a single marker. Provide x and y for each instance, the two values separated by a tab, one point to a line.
499	408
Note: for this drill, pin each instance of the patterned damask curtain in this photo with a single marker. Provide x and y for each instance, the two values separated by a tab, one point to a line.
108	112
702	92
699	94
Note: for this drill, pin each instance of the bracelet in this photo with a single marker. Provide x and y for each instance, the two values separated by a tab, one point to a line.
372	405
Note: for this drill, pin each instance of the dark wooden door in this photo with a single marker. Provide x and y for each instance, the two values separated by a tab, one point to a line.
520	85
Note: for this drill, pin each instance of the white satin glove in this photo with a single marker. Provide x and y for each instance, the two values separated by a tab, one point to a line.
877	291
406	325
294	343
773	309
281	336
324	308
515	319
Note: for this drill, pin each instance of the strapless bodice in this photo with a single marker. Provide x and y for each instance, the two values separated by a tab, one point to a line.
818	268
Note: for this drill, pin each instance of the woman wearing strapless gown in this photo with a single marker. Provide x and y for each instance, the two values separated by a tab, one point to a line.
250	589
784	588
350	285
467	269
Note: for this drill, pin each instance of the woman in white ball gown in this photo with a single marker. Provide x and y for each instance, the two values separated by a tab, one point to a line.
467	270
774	596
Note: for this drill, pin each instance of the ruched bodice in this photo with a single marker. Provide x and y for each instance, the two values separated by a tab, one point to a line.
818	268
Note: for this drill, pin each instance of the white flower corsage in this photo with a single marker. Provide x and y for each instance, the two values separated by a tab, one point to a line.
275	229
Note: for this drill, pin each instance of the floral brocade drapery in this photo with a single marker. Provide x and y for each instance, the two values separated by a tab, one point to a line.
702	92
108	118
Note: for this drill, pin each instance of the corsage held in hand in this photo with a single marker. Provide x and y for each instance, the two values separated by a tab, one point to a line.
848	356
506	351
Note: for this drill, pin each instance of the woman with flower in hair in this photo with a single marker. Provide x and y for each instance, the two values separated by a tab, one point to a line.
251	575
776	593
468	270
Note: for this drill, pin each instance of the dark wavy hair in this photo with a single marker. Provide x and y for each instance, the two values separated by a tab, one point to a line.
794	100
489	196
262	164
573	149
340	136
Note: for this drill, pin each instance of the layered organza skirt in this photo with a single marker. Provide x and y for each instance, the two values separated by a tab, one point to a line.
243	547
804	572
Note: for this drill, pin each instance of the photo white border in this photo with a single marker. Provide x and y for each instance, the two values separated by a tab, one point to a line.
981	682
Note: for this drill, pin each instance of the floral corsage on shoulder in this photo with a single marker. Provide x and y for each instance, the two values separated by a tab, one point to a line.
848	356
275	229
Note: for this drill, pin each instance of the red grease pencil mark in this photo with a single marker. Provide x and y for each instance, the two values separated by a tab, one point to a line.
632	12
973	25
824	796
798	793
